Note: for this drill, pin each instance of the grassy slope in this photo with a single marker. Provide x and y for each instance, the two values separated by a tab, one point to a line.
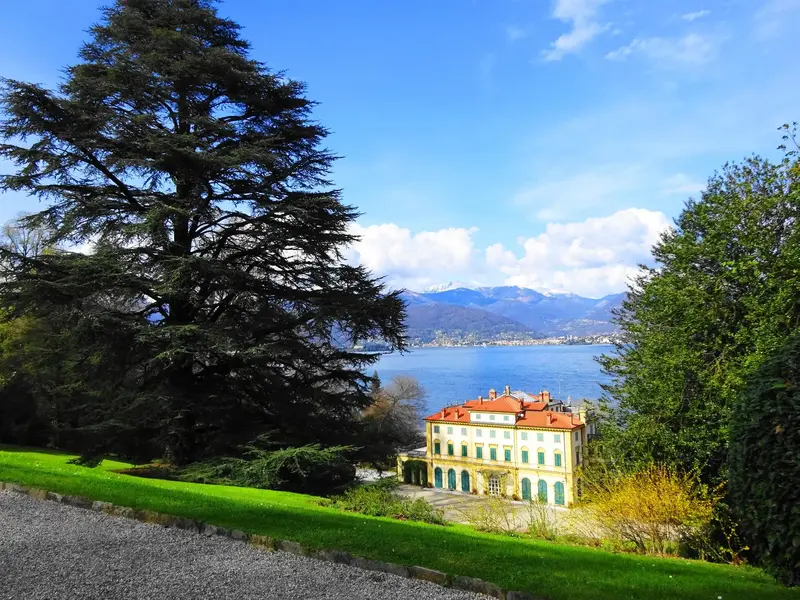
551	570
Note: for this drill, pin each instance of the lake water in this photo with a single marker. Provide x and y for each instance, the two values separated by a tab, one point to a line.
452	375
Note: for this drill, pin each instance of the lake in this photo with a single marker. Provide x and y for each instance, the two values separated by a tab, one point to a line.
452	375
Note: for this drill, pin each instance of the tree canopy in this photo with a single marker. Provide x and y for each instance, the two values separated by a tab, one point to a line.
207	313
765	462
724	293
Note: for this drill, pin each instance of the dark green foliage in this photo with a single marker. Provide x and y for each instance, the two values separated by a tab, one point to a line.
90	461
724	293
380	499
205	317
308	469
765	463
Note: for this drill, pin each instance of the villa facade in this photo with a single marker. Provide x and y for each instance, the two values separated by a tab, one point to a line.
516	444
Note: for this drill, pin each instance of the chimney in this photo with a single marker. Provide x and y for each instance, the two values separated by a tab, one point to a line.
458	413
545	396
480	399
550	418
507	391
492	394
443	412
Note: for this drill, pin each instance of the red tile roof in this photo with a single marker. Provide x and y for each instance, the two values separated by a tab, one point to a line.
534	413
452	413
508	404
557	420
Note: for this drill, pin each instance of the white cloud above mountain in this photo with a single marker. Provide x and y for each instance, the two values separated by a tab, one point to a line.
593	258
413	260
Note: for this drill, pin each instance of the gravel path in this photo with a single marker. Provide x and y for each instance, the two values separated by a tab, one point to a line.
51	551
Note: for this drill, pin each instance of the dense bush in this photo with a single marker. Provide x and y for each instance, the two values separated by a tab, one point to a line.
381	500
307	469
650	509
765	464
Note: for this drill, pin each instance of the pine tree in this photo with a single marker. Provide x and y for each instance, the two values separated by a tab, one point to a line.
217	277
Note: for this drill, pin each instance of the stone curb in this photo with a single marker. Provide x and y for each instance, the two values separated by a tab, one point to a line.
262	542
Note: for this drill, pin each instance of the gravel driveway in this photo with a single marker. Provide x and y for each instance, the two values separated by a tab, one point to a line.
51	551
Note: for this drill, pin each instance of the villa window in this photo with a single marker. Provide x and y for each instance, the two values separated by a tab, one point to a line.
507	435
492	453
525	456
450	449
578	456
557	438
494	485
463	431
477	417
505	417
437	447
540	457
507	454
450	430
491	417
479	433
479	452
524	435
577	436
435	429
539	437
492	434
464	450
557	459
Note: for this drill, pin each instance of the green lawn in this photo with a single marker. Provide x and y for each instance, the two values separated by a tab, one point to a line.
547	569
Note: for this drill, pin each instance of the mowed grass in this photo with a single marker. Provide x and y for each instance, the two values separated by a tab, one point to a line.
546	569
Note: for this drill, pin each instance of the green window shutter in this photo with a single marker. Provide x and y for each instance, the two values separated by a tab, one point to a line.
464	451
478	452
525	456
540	457
508	455
493	453
435	429
558	459
437	448
450	450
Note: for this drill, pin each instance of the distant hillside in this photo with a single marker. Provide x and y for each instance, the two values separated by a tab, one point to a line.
425	321
521	311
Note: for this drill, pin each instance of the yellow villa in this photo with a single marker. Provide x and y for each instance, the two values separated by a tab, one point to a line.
517	445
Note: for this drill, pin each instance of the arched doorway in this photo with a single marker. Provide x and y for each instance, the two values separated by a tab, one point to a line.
559	493
526	489
542	490
451	479
465	482
437	477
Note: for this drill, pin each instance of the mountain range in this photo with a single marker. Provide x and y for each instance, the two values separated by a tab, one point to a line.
506	312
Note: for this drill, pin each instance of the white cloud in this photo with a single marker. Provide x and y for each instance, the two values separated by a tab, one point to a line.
413	260
693	49
681	184
693	16
582	15
556	198
592	258
774	17
514	33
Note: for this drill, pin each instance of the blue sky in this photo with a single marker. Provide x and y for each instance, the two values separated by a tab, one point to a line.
543	143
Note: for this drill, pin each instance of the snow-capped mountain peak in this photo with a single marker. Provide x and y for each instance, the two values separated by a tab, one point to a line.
451	285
